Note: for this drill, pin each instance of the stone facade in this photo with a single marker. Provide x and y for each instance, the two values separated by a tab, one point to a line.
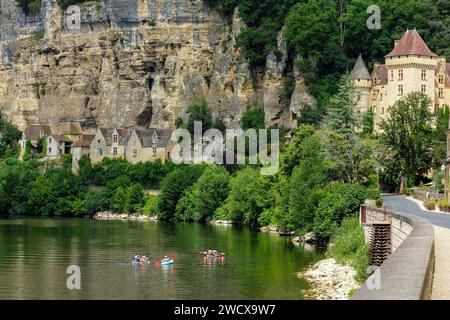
410	67
109	143
149	145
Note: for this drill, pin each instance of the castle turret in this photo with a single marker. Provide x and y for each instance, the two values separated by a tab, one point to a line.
363	81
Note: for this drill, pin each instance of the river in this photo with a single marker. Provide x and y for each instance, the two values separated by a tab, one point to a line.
35	254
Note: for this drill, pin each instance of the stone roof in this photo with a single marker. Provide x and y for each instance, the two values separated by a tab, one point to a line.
411	43
162	136
33	131
108	132
380	71
360	70
61	137
85	140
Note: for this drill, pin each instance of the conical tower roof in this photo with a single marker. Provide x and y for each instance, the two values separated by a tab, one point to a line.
360	70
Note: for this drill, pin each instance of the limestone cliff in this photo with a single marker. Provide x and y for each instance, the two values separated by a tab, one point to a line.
135	63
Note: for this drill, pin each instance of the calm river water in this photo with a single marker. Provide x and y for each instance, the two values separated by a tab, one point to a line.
35	253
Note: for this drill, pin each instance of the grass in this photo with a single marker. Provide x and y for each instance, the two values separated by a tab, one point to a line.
349	247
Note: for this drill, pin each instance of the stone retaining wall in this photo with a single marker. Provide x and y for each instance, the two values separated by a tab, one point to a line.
408	272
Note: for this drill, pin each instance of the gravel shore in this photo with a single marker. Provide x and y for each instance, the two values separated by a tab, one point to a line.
329	280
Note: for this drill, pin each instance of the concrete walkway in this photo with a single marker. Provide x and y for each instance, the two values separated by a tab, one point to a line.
441	224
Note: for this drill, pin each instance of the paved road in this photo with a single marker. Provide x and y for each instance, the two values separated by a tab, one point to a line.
402	204
441	222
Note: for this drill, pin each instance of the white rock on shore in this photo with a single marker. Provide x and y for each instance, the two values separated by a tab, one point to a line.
329	280
221	222
108	215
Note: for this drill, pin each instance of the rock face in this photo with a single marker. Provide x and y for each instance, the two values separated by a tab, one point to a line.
137	63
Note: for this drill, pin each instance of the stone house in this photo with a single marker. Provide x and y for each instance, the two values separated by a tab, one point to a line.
80	148
58	144
411	66
109	143
149	145
33	133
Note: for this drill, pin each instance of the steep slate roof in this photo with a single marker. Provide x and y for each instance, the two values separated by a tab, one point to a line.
84	141
360	70
123	135
146	137
380	71
33	131
411	43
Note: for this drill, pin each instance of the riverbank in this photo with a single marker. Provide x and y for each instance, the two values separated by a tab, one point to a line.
329	280
108	215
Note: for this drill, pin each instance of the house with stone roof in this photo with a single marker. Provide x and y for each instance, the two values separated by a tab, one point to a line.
149	145
80	148
108	142
57	145
411	66
33	133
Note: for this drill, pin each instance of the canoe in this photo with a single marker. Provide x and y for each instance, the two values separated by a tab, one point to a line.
163	263
140	262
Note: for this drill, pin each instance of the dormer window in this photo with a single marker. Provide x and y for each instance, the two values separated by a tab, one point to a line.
115	138
155	139
41	133
441	78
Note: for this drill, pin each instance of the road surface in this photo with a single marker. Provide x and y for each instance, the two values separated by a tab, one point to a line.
402	204
441	225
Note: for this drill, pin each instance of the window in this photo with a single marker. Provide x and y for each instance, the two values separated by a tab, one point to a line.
50	140
392	75
99	152
115	138
400	90
154	139
134	153
60	151
441	92
382	110
424	74
423	89
400	74
114	151
41	133
98	141
441	78
154	151
381	97
49	150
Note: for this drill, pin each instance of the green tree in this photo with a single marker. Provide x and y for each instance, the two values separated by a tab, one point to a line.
291	158
206	195
340	201
199	112
439	147
173	188
341	112
253	119
241	205
407	135
305	186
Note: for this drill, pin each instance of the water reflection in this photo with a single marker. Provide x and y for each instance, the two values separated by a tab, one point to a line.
35	253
